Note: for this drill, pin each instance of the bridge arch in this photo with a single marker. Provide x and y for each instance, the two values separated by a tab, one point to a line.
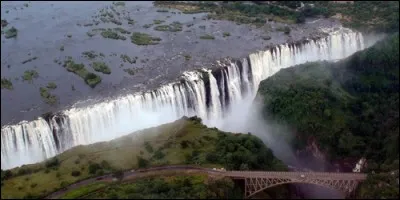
255	185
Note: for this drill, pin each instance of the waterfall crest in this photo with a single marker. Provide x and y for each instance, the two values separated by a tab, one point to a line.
205	93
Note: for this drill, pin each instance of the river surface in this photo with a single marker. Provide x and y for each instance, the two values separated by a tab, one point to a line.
43	27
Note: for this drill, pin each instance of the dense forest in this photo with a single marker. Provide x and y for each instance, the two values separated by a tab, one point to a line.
351	108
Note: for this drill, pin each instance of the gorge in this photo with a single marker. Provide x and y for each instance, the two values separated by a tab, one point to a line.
211	94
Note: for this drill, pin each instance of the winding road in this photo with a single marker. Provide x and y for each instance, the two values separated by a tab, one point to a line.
131	174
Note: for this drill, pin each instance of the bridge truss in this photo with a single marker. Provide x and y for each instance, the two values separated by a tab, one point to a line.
256	182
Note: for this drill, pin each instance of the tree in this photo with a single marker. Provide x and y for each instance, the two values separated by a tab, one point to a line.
142	163
75	173
93	168
244	167
300	18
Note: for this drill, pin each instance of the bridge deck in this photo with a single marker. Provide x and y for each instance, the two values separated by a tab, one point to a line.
314	175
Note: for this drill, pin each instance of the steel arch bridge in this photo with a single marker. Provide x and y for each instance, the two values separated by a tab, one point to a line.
257	181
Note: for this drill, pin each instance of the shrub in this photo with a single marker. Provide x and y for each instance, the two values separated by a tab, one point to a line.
130	71
159	154
121	30
51	85
12	32
207	37
4	23
100	172
6	174
64	184
142	163
184	144
101	67
92	79
24	171
33	185
29	75
226	34
6	84
105	165
156	21
211	157
75	173
53	162
112	35
148	147
144	39
93	168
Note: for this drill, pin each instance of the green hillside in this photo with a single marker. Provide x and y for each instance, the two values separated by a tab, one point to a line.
351	108
185	141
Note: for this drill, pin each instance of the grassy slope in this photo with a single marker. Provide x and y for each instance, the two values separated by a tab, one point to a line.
350	107
185	141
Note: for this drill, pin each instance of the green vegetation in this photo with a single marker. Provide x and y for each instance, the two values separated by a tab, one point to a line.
226	34
237	12
90	34
121	30
131	21
185	141
207	37
6	84
187	57
144	39
91	54
358	15
62	48
29	60
51	85
4	23
147	25
75	194
166	187
112	35
29	75
351	108
114	21
79	69
119	3
12	32
48	98
130	71
173	27
157	21
125	58
101	67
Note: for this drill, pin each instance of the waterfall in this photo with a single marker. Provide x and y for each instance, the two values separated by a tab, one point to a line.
205	93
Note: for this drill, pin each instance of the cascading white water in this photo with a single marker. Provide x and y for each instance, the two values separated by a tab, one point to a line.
30	142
